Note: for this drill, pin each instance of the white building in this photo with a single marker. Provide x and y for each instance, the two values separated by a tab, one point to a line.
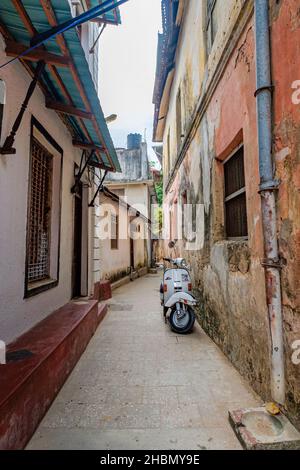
131	250
49	250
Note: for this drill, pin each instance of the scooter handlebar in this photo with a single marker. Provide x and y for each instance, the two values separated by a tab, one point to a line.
168	259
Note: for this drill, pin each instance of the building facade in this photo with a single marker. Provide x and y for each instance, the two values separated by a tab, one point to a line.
123	238
207	96
48	241
132	250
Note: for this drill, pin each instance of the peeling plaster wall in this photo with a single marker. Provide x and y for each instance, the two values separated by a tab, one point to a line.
286	148
219	112
134	164
190	61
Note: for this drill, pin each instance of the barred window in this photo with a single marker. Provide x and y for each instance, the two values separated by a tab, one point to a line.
235	196
114	232
40	213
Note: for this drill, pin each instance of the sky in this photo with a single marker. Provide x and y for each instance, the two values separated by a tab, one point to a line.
127	69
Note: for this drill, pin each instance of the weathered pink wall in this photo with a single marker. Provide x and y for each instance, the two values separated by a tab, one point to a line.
228	276
286	70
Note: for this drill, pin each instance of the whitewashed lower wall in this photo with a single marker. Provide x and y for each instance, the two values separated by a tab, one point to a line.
16	313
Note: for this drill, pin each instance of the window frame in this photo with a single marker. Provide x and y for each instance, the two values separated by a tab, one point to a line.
35	288
235	195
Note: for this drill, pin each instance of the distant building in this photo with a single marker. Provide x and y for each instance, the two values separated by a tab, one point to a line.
134	141
135	186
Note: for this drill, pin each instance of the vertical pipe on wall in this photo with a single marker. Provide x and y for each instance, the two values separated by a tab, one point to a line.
268	187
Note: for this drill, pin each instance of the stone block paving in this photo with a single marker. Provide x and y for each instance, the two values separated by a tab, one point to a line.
140	386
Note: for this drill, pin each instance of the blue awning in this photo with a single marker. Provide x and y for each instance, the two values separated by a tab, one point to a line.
113	17
76	80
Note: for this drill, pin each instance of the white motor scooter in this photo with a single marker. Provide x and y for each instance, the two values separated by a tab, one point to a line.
176	296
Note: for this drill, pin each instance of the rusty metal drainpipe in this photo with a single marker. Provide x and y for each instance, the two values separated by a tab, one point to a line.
268	188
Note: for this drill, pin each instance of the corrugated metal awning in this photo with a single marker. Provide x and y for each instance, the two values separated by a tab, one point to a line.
113	17
70	84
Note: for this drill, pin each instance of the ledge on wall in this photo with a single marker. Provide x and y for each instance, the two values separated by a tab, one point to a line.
38	363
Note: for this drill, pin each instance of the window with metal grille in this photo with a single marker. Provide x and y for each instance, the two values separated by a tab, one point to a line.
40	213
114	242
212	23
235	196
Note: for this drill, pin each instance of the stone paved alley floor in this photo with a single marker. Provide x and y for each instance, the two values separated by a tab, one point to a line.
140	386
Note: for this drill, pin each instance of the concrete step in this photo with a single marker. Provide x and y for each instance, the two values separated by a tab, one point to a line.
39	363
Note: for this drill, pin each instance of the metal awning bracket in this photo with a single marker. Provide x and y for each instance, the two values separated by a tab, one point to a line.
8	148
82	169
88	15
92	203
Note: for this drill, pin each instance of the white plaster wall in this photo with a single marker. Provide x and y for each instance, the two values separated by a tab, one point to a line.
140	251
114	261
137	195
16	314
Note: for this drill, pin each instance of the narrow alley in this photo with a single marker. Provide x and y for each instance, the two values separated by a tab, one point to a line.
139	386
149	171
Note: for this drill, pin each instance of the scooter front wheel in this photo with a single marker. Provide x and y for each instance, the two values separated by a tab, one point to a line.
182	321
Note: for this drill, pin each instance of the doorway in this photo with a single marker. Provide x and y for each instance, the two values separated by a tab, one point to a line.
131	253
132	229
77	247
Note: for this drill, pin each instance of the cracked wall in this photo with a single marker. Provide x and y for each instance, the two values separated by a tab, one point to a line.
219	113
286	150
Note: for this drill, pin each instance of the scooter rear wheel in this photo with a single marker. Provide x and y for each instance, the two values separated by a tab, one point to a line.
183	325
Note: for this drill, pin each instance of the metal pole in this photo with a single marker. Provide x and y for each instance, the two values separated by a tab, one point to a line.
89	15
92	49
268	187
7	148
92	203
81	171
